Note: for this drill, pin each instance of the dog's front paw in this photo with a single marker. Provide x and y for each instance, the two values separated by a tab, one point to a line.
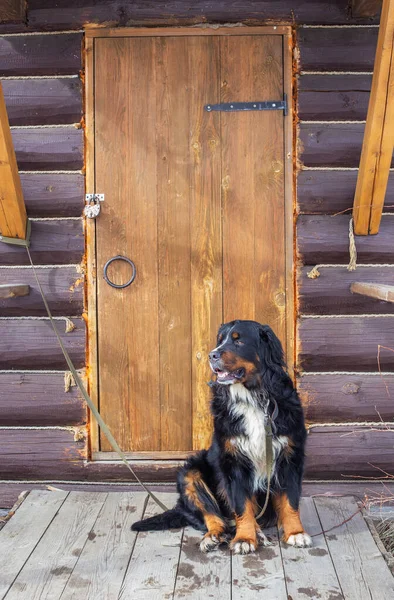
243	546
262	539
299	540
209	542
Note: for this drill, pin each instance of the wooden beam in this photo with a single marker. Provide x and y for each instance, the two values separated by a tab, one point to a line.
365	8
378	141
12	10
374	290
13	218
14	290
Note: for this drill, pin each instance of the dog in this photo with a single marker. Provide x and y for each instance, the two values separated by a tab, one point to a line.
222	489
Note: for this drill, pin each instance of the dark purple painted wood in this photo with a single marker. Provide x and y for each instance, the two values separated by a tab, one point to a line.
52	242
345	343
330	293
333	97
330	192
53	194
31	344
325	239
43	101
337	49
340	398
47	149
63	288
39	399
41	54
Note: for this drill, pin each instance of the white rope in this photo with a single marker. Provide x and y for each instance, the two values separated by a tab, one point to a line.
330	122
33	33
352	248
355	373
76	266
336	72
60	126
72	482
40	428
342	316
349	26
65	319
55	219
51	172
376	424
35	372
16	77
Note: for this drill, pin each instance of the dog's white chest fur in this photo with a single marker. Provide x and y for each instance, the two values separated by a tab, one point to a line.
253	443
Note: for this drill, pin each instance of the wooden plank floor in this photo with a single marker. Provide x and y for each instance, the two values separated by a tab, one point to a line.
72	545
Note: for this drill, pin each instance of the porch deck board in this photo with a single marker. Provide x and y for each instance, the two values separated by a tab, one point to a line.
65	545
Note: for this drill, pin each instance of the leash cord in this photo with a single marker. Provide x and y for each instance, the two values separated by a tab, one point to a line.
86	396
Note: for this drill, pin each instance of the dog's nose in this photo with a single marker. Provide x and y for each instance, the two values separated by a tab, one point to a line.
214	355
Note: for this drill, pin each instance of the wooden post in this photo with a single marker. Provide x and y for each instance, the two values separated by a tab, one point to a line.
379	132
13	218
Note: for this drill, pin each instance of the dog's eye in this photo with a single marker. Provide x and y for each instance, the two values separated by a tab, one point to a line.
238	343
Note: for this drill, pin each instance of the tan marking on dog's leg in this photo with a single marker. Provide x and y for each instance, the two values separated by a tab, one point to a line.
245	539
289	520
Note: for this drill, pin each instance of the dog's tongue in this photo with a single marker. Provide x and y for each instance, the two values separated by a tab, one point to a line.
225	377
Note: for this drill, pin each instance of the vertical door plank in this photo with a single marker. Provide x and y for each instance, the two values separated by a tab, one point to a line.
253	183
174	91
126	172
154	563
309	571
261	572
100	570
22	533
360	566
47	570
202	575
206	235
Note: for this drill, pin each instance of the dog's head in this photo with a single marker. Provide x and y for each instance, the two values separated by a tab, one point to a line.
245	351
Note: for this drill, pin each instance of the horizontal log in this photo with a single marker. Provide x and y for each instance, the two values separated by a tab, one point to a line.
43	101
41	54
330	293
337	49
333	97
49	149
51	243
331	192
39	399
32	344
331	398
9	492
53	194
325	239
335	452
63	288
345	344
331	144
378	291
43	14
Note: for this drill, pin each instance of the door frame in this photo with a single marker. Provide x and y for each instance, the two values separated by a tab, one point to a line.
92	367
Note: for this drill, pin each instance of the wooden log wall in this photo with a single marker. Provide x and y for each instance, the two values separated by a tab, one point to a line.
43	421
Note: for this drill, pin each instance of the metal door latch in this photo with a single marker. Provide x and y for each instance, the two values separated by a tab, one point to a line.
92	207
248	106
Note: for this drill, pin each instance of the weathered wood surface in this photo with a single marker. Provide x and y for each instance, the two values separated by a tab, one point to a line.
52	242
340	397
32	344
260	572
153	567
333	97
36	513
325	239
309	572
356	558
39	399
105	556
330	293
48	149
74	15
59	548
43	101
365	8
347	452
377	291
41	54
63	288
12	10
53	194
13	290
330	192
331	144
337	49
345	344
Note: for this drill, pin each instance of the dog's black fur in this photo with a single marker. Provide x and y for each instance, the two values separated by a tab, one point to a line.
219	482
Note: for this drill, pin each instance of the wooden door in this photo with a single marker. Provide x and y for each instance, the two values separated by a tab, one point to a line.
196	200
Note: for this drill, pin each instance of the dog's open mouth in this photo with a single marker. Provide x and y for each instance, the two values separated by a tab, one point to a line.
228	377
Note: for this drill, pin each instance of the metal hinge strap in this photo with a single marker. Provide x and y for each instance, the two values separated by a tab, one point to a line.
249	106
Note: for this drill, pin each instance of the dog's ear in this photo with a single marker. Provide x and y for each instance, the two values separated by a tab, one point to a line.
271	348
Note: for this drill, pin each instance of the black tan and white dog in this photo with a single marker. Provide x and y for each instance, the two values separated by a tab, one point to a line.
222	489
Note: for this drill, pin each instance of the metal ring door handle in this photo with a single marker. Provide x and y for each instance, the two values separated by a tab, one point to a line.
122	285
